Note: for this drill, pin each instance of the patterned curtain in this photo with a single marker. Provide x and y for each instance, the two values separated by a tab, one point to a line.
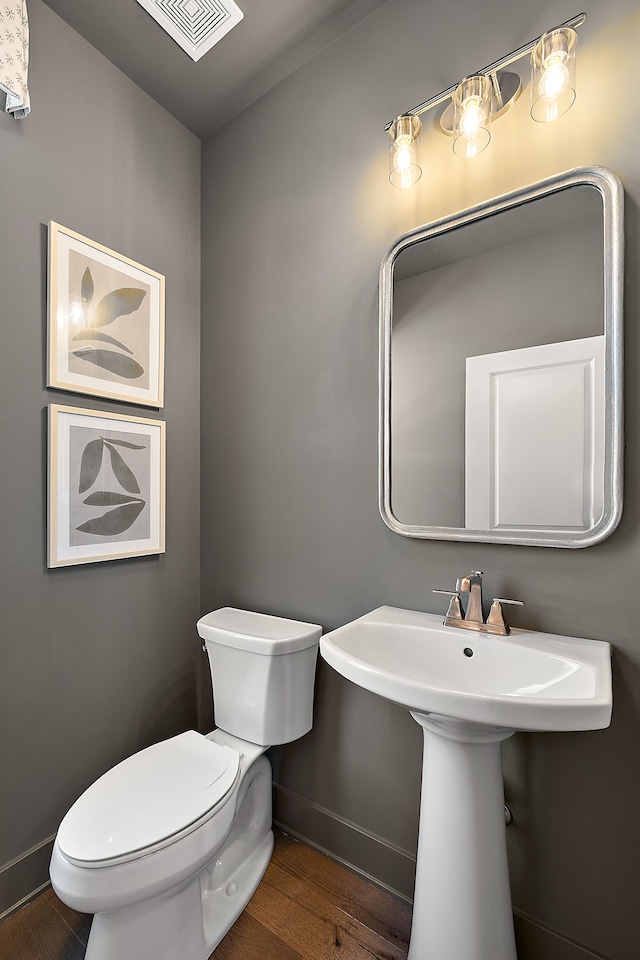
14	56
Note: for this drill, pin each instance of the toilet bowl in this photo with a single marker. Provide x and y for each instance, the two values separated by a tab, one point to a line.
167	848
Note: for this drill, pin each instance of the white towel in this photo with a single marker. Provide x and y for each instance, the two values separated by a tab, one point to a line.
14	56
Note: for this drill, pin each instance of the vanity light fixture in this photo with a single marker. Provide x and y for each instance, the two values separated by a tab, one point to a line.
479	99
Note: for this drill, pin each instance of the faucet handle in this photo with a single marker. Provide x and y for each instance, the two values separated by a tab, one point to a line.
496	615
454	611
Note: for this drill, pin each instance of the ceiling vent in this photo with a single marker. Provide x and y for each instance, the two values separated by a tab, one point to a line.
195	24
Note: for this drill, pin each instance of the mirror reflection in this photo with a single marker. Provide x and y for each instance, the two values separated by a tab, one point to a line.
496	420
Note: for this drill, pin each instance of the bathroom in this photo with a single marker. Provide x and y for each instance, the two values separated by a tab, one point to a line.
284	214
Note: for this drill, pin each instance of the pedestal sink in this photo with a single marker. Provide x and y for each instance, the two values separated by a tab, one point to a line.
469	692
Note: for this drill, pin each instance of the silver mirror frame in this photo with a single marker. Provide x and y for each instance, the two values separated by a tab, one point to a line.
610	188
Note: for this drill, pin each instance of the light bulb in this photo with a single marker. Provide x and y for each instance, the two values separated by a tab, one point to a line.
405	156
554	79
553	74
404	166
472	118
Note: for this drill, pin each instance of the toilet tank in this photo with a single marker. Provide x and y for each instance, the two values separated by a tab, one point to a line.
263	674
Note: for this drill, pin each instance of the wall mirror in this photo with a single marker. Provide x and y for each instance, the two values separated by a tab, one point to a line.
501	369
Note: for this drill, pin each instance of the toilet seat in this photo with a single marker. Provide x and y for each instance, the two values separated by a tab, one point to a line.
149	801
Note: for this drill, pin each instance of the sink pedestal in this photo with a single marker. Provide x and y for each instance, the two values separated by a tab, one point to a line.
462	901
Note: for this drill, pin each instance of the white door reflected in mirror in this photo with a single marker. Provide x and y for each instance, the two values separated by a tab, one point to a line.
534	438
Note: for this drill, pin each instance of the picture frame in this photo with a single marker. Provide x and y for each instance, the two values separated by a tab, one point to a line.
106	486
106	318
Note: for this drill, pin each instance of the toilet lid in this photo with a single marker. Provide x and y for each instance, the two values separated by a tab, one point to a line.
148	798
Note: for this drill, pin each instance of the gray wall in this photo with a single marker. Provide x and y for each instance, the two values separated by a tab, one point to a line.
96	660
296	215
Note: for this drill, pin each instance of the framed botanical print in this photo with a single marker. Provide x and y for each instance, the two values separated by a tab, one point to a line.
106	486
106	322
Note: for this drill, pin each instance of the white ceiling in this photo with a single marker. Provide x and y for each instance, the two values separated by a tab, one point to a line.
274	38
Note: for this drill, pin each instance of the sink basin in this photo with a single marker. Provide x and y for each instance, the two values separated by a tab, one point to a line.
526	681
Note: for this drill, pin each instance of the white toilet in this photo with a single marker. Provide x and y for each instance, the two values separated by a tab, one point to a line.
167	848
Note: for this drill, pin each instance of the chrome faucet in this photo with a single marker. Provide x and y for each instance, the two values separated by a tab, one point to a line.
473	619
473	586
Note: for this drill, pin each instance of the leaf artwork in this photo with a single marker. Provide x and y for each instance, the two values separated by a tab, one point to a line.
90	464
109	498
127	508
117	303
125	367
125	443
124	476
96	335
86	291
114	522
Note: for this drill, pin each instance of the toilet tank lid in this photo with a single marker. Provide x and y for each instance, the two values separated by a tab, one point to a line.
148	798
257	632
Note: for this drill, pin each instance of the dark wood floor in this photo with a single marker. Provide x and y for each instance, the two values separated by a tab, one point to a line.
306	908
